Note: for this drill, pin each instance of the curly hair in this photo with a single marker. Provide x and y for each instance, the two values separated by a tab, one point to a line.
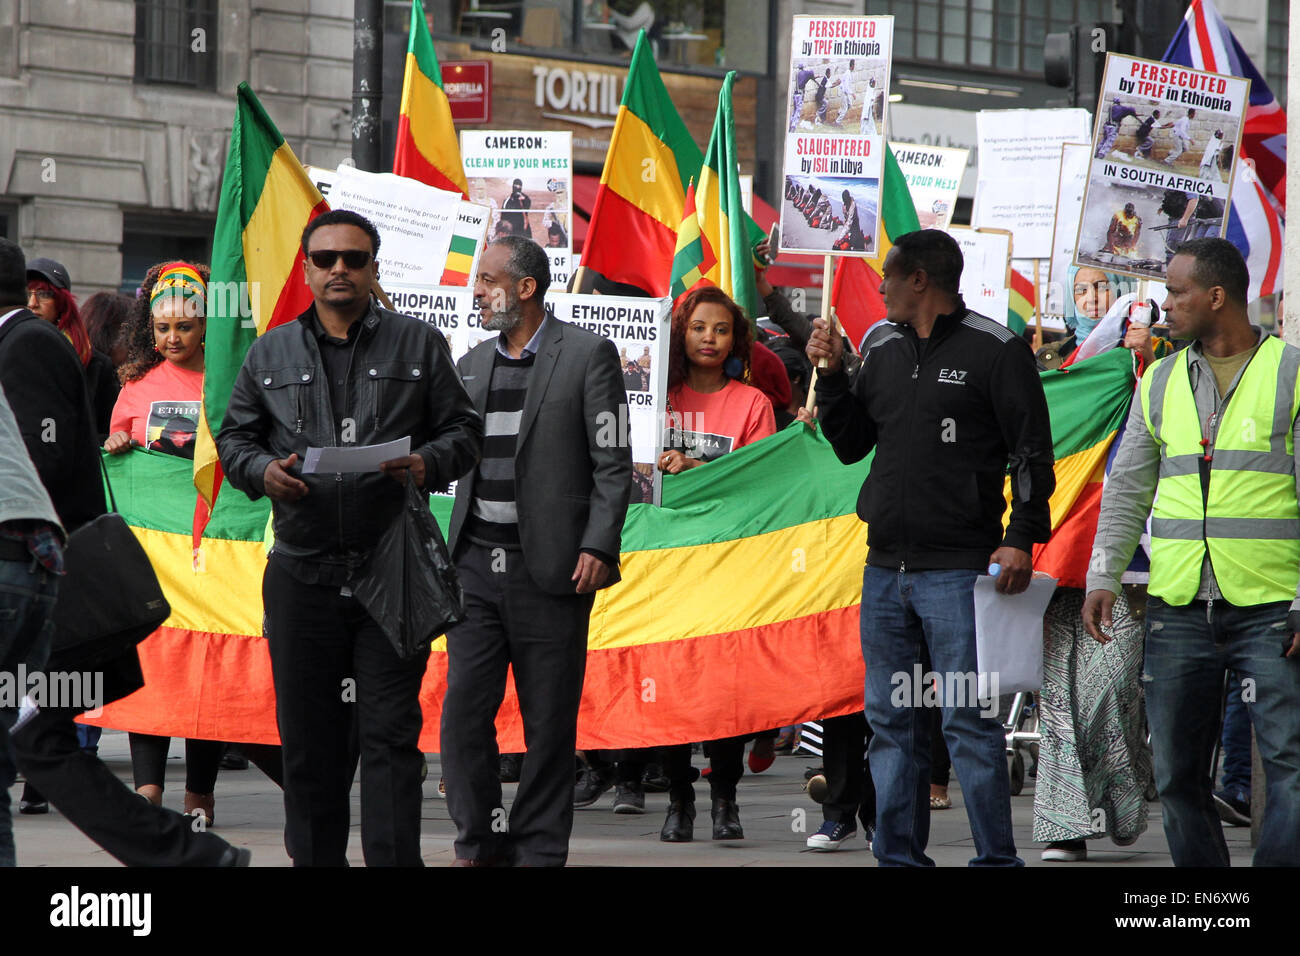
741	335
137	331
69	320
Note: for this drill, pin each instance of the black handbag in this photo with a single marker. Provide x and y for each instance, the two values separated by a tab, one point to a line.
408	583
109	599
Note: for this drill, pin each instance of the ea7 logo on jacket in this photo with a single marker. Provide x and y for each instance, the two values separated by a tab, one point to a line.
952	376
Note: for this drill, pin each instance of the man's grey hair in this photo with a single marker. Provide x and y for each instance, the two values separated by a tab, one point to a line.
527	260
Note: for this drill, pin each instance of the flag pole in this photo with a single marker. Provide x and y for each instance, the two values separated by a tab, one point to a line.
828	315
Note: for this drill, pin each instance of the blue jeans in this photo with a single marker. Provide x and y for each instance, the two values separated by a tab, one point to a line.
27	593
903	614
1236	742
1188	650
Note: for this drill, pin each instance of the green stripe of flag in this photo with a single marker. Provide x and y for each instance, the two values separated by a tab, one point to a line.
421	46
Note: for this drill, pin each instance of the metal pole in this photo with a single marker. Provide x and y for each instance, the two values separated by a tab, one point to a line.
367	83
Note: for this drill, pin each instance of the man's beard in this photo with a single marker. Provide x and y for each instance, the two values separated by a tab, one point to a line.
508	319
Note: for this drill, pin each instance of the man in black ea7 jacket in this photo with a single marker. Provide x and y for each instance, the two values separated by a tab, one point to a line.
949	401
345	372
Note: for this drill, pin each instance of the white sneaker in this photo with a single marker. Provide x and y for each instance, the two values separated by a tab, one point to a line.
1066	851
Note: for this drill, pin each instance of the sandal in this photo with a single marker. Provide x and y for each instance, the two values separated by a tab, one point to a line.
940	803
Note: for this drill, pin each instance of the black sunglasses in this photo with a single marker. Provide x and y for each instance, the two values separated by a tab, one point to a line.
352	258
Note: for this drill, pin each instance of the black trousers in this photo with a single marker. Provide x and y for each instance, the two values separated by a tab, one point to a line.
101	806
149	762
512	623
726	767
339	688
849	789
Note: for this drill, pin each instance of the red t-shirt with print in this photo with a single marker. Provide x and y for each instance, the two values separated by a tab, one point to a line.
161	410
714	423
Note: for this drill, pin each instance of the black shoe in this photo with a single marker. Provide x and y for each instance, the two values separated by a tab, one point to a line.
1233	810
654	780
232	758
592	785
511	765
629	798
236	856
726	820
32	801
679	827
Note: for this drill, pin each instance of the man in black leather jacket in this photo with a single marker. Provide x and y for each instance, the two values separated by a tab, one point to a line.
344	373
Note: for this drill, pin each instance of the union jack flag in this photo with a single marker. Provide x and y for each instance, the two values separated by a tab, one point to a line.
1258	213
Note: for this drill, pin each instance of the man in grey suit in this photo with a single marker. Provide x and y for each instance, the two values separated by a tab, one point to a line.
535	533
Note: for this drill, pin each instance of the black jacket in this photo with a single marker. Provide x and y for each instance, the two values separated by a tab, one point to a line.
945	416
46	387
401	382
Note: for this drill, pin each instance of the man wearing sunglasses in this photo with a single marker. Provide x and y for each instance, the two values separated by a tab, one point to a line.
345	373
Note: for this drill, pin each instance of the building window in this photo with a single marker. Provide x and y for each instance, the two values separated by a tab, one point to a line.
176	42
148	239
9	222
1003	35
1275	60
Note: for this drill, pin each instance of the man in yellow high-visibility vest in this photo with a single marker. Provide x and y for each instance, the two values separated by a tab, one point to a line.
1213	437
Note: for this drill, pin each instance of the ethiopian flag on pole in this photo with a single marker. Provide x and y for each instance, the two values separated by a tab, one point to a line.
722	220
426	137
257	276
693	256
639	205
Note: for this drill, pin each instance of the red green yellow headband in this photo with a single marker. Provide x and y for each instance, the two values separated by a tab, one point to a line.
179	279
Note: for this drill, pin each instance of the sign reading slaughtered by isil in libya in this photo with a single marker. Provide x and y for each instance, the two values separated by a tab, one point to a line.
1164	151
526	179
835	144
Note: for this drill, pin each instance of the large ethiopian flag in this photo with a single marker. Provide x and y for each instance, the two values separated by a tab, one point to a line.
737	611
257	278
426	137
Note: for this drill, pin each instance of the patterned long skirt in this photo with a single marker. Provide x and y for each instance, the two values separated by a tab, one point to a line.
1094	766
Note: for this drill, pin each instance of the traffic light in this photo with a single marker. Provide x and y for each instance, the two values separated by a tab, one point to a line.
1076	58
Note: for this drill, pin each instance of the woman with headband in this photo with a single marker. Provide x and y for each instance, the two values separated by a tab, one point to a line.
162	388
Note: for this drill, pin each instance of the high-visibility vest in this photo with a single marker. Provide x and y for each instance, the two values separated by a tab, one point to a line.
1249	521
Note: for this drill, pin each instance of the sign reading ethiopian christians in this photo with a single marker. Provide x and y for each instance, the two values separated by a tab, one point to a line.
835	146
637	327
933	175
526	179
1163	161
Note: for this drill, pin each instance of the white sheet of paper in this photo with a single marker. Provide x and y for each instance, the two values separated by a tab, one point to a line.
1009	635
354	457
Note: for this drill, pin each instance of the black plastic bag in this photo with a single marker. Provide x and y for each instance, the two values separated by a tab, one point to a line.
408	584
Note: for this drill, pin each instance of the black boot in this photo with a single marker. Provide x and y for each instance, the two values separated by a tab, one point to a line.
726	820
679	827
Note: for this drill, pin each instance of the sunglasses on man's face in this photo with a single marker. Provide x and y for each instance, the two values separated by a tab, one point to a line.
352	258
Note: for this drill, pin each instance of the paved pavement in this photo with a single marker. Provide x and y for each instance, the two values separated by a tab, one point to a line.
776	814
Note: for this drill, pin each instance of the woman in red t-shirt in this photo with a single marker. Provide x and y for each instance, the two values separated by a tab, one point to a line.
710	409
162	387
710	412
162	380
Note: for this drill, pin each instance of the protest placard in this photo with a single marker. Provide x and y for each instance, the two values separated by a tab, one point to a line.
933	175
1070	184
637	327
1164	158
415	221
1019	159
986	255
835	147
468	234
525	177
